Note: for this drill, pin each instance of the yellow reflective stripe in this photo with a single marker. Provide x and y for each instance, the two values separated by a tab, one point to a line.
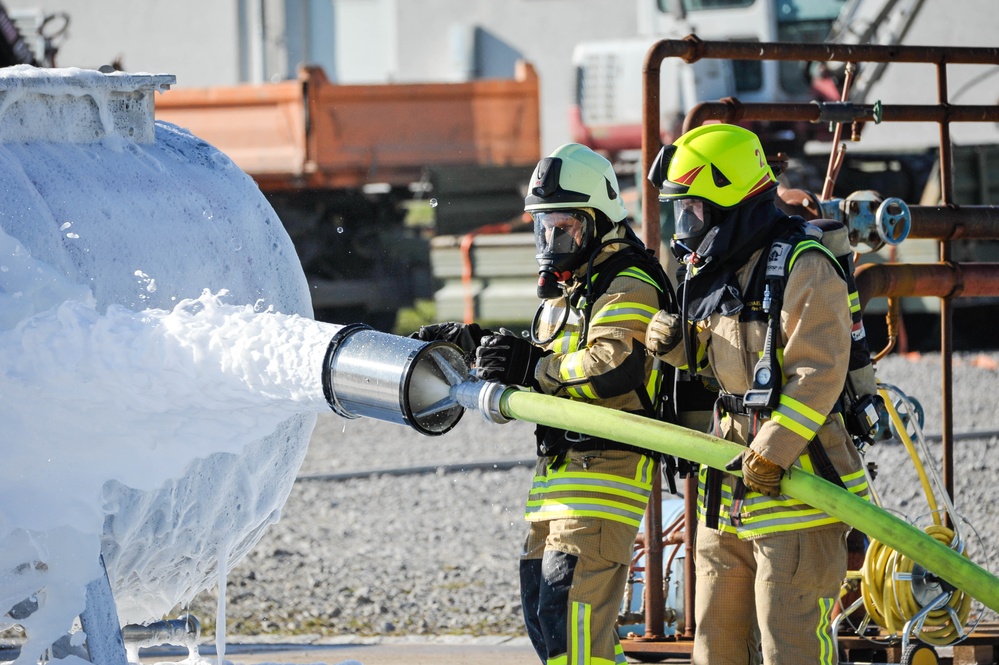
579	641
854	299
539	503
856	482
634	272
763	514
566	343
638	273
643	472
652	384
561	659
824	632
611	506
571	366
567	494
798	417
619	657
603	481
790	423
537	499
571	369
584	391
565	513
775	526
624	311
807	244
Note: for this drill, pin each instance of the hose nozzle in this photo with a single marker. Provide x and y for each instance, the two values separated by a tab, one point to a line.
392	378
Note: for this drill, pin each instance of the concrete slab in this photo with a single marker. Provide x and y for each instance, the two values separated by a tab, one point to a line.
404	651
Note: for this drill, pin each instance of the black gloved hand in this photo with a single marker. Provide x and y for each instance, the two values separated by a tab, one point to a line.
508	359
466	336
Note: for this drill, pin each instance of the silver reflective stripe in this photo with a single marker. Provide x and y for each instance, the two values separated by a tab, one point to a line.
599	485
582	637
798	417
581	505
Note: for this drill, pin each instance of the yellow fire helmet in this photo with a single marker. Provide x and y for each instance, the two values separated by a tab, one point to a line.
722	164
574	177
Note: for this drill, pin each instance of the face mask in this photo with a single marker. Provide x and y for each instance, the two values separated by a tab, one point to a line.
693	220
562	239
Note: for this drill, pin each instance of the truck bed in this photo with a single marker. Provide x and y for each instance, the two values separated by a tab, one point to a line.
312	134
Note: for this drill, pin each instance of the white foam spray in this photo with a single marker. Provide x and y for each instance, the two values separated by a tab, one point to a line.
159	368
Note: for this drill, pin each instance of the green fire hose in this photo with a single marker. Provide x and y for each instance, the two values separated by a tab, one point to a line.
678	441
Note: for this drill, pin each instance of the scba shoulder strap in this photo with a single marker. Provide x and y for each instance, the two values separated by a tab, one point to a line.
863	409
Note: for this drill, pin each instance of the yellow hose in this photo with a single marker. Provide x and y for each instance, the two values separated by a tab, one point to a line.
890	601
907	442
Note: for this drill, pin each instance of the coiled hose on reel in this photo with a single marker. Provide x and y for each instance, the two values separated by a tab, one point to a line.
899	595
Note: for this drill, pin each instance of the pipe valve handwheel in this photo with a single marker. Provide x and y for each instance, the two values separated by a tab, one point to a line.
893	221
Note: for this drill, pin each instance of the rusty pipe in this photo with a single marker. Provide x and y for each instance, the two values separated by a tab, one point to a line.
731	110
954	222
651	140
943	280
691	49
654	605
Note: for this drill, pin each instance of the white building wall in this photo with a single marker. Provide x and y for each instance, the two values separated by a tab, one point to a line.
543	32
195	40
218	42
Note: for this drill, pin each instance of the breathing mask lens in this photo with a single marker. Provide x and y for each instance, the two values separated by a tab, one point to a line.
560	232
692	218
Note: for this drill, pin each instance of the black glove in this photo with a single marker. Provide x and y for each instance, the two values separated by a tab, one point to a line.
508	359
466	336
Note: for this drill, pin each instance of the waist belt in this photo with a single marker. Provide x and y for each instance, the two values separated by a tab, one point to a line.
730	403
585	442
555	442
734	404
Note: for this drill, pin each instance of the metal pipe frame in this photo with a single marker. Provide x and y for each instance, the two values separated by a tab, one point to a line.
945	222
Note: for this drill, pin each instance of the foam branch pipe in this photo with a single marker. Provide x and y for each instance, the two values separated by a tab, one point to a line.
500	403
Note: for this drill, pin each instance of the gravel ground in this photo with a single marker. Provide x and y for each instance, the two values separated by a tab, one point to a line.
436	553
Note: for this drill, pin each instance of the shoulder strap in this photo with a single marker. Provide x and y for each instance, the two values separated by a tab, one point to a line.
784	251
638	264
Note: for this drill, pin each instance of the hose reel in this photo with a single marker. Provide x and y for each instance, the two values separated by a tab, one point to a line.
909	603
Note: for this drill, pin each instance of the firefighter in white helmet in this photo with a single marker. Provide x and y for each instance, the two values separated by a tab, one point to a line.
769	568
599	289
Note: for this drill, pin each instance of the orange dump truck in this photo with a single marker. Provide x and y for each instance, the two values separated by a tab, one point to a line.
346	166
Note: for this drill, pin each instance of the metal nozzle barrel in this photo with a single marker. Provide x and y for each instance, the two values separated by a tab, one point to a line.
397	379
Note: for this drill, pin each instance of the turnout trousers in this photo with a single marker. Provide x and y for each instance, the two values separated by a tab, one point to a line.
777	591
573	572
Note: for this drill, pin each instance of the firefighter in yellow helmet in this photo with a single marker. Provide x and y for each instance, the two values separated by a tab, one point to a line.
599	289
769	568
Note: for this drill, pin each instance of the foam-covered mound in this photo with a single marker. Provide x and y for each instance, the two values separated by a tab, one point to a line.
158	361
